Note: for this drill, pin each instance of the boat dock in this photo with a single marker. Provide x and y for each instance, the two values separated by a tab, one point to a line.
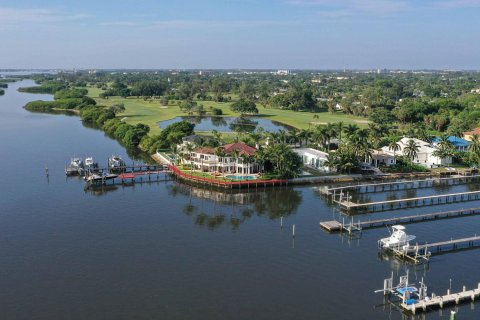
413	299
334	225
408	202
419	253
126	174
401	185
439	301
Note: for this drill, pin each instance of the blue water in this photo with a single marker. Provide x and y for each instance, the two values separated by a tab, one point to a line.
228	124
169	251
240	177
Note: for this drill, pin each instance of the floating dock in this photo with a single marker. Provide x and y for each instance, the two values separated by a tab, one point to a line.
335	225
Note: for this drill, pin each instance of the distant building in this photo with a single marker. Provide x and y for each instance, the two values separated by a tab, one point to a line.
313	158
468	135
459	143
282	72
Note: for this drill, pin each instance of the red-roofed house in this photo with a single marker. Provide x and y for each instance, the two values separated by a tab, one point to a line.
468	135
230	158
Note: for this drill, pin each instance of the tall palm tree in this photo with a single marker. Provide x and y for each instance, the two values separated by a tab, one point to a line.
394	145
350	130
411	149
339	127
236	155
474	146
294	136
305	135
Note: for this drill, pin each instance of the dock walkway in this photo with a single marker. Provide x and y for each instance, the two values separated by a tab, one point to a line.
335	225
401	185
409	202
439	301
420	253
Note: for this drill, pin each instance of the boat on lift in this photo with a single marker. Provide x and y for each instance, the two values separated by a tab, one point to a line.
76	166
115	162
397	240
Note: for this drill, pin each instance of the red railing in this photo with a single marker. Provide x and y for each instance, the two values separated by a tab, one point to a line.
191	177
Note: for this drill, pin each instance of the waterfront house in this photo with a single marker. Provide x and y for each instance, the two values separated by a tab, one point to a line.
468	135
458	143
425	154
230	158
380	158
313	158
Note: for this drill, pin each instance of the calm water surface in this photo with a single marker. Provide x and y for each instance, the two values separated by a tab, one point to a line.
167	251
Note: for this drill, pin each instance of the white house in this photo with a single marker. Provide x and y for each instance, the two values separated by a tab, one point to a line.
313	158
380	158
210	160
424	155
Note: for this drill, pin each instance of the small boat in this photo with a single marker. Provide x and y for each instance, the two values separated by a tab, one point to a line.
398	239
90	164
95	178
115	162
75	167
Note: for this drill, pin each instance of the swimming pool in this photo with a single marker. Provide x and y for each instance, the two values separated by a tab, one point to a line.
234	177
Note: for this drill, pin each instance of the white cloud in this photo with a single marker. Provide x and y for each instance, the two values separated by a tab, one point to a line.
189	24
352	7
9	16
459	3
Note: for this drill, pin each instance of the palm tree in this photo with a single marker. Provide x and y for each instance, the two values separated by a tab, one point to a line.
235	156
394	145
474	146
331	162
339	129
411	150
304	135
294	136
350	130
219	153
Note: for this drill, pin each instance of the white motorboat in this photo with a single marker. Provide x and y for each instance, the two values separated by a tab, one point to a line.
115	162
89	161
398	239
75	167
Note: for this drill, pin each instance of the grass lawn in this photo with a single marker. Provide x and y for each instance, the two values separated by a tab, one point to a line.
151	111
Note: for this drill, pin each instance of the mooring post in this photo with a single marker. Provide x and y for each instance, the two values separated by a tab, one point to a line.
293	231
281	222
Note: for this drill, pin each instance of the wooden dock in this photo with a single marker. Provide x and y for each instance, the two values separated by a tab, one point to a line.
409	202
440	301
401	185
335	225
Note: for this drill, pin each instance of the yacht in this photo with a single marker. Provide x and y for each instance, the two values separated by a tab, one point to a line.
75	167
397	240
89	162
115	162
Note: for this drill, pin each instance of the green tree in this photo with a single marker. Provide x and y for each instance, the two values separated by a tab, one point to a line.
244	106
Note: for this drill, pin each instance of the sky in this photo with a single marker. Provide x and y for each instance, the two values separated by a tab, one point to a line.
240	34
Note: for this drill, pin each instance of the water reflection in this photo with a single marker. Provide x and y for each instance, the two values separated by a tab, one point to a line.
243	125
212	208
